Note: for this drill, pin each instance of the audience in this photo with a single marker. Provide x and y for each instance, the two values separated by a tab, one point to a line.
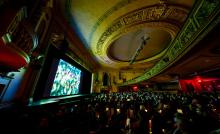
128	113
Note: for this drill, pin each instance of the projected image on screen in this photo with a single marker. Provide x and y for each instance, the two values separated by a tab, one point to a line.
67	80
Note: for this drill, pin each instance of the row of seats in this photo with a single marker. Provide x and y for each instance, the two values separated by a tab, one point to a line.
119	113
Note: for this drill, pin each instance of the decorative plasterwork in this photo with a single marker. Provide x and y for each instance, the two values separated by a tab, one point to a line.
104	14
164	16
109	12
20	41
22	32
170	28
61	42
202	19
43	23
25	38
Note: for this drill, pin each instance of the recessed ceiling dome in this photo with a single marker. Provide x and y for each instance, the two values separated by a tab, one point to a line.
124	48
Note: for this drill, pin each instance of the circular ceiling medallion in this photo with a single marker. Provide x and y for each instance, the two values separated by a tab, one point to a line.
143	43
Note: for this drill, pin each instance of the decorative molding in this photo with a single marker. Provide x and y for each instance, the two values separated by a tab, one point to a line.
43	23
116	7
20	15
25	38
172	14
100	20
172	29
205	10
195	28
57	39
79	61
188	33
22	33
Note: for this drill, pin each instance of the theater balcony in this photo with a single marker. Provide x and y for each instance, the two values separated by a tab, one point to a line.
18	39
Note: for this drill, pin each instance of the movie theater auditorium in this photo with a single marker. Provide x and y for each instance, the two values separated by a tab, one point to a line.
109	67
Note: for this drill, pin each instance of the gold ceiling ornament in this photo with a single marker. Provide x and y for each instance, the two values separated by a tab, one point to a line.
164	26
116	7
172	14
167	16
170	28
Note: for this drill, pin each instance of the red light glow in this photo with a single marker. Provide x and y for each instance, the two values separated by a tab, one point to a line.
135	88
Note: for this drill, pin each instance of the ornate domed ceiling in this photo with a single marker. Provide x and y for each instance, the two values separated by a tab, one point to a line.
145	36
114	31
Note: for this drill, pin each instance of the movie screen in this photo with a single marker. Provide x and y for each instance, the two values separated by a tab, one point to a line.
67	80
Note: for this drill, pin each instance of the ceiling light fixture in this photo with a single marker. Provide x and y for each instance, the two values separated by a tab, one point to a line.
137	52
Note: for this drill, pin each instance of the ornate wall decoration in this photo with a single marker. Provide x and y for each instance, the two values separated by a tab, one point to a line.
22	32
25	38
43	23
188	32
60	41
205	10
20	15
195	28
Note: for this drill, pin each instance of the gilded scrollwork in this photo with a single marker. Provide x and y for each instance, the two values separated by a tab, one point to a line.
188	32
156	14
117	6
172	29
